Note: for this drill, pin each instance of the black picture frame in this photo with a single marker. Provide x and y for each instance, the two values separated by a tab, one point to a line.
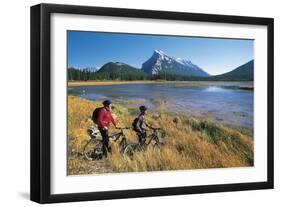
41	103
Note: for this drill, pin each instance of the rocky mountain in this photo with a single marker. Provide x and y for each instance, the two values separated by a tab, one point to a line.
160	66
161	63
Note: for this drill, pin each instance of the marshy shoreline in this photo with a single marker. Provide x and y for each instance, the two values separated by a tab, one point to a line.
245	85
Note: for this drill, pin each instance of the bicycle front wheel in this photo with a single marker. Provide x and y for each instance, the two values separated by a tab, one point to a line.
93	150
131	149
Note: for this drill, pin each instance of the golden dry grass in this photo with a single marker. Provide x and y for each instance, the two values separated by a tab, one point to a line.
190	143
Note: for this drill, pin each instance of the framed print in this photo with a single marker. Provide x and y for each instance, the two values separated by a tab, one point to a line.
133	103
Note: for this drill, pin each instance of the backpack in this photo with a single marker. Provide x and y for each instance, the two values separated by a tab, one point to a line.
95	115
135	122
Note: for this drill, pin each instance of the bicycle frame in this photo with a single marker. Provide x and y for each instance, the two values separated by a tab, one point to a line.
119	135
153	136
114	137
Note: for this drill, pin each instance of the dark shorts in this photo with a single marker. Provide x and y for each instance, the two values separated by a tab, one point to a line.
105	138
141	135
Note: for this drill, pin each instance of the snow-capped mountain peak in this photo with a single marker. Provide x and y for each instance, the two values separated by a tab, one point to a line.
183	61
160	62
188	63
160	52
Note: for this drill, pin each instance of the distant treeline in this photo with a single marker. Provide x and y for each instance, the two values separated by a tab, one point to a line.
129	75
86	75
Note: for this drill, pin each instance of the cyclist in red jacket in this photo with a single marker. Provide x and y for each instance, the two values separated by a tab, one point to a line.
103	121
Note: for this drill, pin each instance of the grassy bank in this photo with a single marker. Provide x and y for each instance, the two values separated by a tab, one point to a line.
190	143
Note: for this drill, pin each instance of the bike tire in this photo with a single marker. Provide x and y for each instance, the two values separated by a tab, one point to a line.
130	149
93	150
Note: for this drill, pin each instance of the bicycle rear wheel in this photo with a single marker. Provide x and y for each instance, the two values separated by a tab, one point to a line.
93	150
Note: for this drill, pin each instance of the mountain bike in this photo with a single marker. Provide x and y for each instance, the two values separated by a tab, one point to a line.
94	150
154	139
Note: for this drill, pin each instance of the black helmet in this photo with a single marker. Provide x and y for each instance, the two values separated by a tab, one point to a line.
106	102
143	108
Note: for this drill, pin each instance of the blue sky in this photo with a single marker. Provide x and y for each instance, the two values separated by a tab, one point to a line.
214	55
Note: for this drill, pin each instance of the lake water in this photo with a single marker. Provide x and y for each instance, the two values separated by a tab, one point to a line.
223	102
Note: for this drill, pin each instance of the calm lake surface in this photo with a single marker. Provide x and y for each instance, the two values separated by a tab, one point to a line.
223	102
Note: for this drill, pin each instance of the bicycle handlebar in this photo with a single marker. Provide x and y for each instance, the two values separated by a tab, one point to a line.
123	128
116	136
155	128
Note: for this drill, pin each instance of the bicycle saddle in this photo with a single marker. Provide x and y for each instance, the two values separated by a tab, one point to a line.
94	134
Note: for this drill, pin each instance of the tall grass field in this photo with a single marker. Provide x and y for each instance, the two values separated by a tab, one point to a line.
189	142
